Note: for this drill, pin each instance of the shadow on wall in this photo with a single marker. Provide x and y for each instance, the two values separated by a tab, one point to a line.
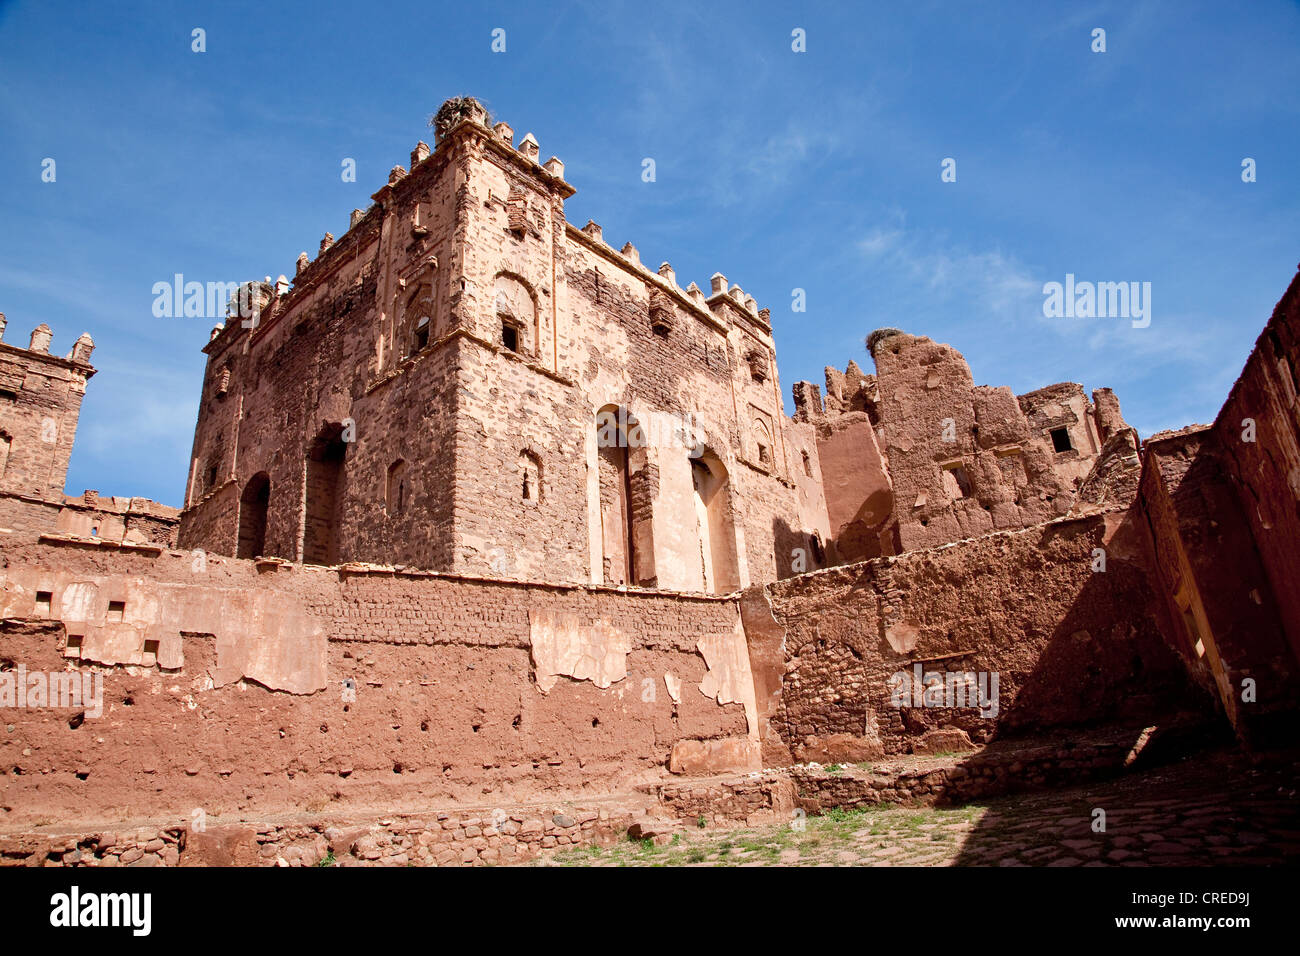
1103	662
871	533
1016	618
796	551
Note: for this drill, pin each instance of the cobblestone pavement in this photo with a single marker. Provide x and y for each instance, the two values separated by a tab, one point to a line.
1209	810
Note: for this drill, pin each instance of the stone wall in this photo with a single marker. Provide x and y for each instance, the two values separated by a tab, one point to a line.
497	834
1070	645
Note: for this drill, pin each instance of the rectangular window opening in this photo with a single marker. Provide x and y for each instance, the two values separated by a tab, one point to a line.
74	646
421	340
510	336
1061	439
116	611
150	656
44	601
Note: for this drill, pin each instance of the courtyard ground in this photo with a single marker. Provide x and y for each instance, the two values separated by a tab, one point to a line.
1212	809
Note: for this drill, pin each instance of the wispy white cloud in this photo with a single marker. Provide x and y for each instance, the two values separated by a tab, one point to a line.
938	270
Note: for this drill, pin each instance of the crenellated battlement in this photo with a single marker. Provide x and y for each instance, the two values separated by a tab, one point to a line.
464	118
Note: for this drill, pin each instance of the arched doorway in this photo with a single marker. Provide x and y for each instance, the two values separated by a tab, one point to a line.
253	504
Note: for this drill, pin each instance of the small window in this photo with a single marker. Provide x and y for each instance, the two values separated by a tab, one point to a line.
395	497
1061	439
73	648
212	477
116	611
762	444
510	336
956	483
530	468
150	656
421	340
44	601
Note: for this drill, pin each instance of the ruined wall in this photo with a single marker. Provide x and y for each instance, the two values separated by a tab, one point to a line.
917	455
1063	408
853	468
224	684
963	461
118	519
1266	470
859	493
40	403
1071	646
1173	576
1219	505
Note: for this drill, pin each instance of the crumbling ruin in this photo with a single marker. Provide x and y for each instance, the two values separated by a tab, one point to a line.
40	402
481	508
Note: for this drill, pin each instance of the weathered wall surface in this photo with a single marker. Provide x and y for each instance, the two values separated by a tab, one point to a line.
1070	645
457	687
40	402
1174	576
916	455
859	495
117	519
1219	507
339	349
472	336
1266	470
964	460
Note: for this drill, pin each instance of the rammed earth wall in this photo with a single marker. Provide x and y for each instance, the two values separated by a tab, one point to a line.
235	685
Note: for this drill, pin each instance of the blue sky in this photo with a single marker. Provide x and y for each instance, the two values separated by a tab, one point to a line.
817	170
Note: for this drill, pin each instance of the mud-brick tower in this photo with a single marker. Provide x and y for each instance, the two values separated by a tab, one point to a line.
431	390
